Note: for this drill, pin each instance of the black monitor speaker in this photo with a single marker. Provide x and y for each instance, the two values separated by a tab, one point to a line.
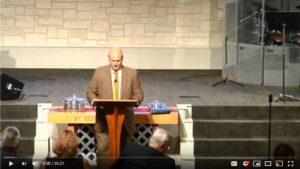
10	88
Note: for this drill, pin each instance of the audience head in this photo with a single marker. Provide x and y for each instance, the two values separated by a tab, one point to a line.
10	138
161	140
65	144
284	151
115	57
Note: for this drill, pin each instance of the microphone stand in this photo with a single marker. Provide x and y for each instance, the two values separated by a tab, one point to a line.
283	96
270	126
226	78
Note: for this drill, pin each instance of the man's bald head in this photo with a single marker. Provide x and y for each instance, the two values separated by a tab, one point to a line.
115	57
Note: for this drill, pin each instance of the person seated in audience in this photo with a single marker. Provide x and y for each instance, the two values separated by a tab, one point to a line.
284	151
65	147
10	143
147	157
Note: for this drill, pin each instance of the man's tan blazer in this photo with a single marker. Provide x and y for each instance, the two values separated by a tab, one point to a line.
101	87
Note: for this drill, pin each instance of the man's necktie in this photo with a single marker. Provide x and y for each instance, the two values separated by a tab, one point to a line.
116	87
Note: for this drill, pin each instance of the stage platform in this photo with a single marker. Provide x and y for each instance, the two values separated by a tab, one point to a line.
169	86
220	117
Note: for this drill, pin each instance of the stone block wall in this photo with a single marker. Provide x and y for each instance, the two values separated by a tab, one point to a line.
105	23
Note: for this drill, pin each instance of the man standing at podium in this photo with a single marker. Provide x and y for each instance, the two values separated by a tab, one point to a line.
118	82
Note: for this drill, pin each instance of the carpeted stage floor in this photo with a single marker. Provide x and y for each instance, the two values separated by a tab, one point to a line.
242	124
169	86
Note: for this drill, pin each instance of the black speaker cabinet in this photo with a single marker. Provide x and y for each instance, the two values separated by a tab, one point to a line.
10	88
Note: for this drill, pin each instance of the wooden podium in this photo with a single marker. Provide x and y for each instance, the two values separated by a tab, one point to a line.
115	113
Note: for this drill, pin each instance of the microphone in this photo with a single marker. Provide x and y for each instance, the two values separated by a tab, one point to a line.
270	98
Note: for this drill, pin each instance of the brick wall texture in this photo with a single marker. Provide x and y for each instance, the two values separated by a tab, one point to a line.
104	23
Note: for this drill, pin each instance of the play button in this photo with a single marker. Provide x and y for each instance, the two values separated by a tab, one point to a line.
10	163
